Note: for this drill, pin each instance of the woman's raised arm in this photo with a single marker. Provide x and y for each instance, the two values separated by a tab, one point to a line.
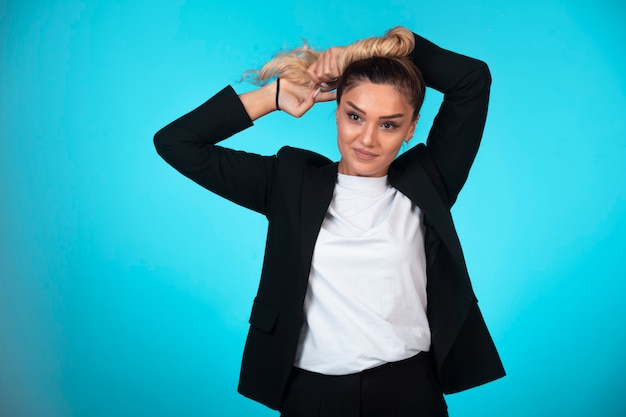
188	143
457	130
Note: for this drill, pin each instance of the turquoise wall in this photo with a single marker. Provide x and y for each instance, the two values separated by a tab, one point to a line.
125	292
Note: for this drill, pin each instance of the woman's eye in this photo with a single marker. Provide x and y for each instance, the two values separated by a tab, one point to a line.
354	117
388	125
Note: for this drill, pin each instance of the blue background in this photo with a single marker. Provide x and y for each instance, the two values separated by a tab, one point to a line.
125	288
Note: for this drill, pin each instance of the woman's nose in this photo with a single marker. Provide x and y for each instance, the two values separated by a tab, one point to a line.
368	134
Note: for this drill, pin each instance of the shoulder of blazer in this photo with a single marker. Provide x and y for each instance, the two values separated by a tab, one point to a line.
307	176
310	174
302	157
419	156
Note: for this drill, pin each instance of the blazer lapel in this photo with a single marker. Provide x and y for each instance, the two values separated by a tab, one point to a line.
422	192
317	192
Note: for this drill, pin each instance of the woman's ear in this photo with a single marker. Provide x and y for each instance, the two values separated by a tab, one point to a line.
412	128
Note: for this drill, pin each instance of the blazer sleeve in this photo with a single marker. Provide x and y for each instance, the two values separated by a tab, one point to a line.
457	130
189	145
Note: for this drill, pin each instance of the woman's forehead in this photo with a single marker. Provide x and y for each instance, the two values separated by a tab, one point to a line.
375	97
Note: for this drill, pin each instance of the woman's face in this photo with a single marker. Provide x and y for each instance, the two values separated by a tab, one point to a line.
372	122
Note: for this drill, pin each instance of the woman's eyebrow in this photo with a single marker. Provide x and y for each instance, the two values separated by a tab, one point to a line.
391	116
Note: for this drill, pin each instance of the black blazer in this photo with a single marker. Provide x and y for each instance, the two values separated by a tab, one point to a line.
293	190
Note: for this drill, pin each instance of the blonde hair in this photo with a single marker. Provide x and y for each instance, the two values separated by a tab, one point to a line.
292	65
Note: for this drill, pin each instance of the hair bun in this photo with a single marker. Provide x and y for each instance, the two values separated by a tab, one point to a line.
397	42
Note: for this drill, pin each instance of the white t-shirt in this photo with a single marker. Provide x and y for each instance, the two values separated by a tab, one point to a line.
366	299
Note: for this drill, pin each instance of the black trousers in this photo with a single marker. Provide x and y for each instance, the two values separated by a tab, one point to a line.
397	389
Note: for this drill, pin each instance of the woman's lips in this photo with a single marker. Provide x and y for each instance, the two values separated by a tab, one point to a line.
364	155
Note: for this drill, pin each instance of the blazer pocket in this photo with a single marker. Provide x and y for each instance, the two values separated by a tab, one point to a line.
263	316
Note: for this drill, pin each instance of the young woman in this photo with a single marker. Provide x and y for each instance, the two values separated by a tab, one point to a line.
365	306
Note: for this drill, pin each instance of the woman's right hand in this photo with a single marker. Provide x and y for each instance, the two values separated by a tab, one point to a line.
296	99
292	98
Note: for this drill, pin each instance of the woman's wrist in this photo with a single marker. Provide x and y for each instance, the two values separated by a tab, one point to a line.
261	101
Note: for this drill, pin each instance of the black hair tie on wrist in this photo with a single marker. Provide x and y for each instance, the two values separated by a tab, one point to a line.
277	92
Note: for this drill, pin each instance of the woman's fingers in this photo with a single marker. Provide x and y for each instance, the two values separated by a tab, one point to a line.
326	96
316	71
326	69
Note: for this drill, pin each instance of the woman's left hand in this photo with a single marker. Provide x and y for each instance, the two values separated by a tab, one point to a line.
325	71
